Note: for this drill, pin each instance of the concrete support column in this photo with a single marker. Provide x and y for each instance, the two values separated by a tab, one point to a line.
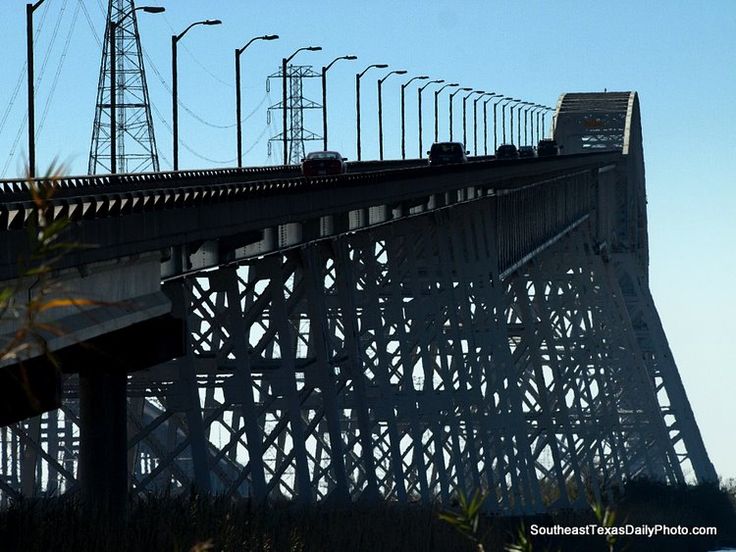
103	364
103	474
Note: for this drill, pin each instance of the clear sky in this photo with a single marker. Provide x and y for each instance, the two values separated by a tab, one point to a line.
679	55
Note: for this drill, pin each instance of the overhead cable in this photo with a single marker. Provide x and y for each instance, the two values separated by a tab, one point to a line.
23	69
196	60
186	108
65	50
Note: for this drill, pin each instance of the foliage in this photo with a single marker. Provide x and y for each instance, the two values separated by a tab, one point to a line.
45	250
522	544
606	518
225	525
466	520
228	525
729	486
203	546
25	305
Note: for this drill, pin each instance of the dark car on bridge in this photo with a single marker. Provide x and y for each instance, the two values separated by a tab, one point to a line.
507	151
320	163
547	147
527	151
445	153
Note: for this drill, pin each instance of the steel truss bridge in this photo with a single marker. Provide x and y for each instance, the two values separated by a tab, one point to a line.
399	332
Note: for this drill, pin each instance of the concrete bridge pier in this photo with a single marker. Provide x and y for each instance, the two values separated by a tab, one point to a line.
127	327
103	472
103	365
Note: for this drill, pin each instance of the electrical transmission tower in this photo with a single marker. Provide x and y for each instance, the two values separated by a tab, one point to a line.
136	142
297	103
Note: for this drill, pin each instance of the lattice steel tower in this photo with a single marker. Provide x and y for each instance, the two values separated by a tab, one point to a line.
297	103
136	141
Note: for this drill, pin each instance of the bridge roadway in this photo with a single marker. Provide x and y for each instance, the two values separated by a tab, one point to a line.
134	214
399	331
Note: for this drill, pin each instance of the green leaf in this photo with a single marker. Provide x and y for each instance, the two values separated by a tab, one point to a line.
5	295
463	501
55	228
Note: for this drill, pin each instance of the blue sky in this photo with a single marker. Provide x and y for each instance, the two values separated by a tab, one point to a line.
679	55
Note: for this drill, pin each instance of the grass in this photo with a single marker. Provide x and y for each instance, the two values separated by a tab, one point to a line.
198	523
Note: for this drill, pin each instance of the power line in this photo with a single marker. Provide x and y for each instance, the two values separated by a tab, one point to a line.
54	35
15	144
37	81
258	140
270	123
196	60
205	158
182	142
185	107
90	24
122	133
59	68
23	69
189	148
166	124
167	87
13	97
163	81
181	104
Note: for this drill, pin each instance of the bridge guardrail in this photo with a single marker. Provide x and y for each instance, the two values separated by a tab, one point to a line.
89	197
112	182
118	182
109	181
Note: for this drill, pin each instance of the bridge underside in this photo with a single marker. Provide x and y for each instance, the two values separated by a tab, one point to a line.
495	337
408	361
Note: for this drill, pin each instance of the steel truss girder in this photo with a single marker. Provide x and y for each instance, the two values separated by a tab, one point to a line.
398	362
591	406
647	331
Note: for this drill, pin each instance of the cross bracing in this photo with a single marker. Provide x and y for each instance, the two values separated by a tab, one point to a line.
506	342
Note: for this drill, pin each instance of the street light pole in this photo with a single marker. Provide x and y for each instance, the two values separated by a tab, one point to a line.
526	116
436	104
451	109
480	93
544	132
544	113
465	101
238	115
518	123
324	96
503	118
403	110
175	82
495	127
113	82
419	103
175	100
537	111
491	95
284	106
30	8
380	110
511	120
357	101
